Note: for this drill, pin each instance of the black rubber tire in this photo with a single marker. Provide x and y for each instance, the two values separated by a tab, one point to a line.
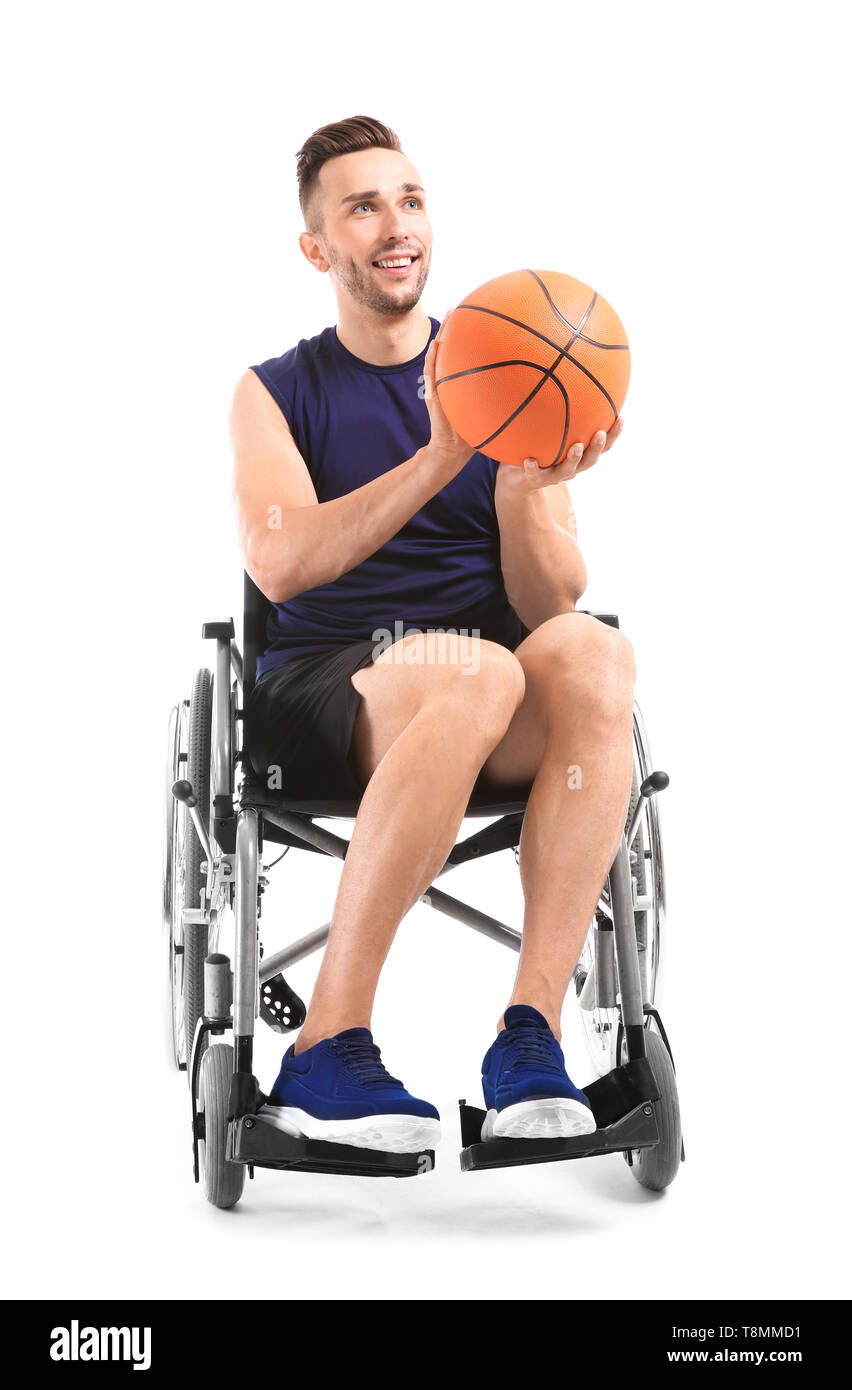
656	1168
198	773
172	900
223	1181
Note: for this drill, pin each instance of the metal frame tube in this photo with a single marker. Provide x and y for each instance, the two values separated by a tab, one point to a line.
223	767
633	831
236	661
333	845
626	948
203	837
471	917
305	946
245	913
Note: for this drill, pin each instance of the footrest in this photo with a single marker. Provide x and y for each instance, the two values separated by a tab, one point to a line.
622	1104
253	1139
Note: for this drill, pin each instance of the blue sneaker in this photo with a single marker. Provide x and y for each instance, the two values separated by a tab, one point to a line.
528	1093
339	1090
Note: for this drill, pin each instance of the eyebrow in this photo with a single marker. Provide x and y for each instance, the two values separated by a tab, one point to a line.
374	193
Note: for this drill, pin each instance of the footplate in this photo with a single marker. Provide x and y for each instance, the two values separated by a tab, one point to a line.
622	1104
256	1141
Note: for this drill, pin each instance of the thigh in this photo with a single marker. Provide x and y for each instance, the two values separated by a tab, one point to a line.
553	658
419	668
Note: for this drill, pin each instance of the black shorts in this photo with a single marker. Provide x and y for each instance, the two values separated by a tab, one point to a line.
300	717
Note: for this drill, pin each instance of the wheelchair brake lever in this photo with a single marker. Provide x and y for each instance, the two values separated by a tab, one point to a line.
653	783
182	791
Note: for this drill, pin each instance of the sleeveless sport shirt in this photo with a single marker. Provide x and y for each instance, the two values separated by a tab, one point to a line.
353	421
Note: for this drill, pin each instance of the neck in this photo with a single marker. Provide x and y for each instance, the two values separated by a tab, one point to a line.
382	340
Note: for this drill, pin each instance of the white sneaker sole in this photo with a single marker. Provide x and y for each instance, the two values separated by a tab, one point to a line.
398	1134
552	1118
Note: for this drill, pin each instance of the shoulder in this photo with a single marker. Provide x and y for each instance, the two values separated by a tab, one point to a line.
302	356
276	382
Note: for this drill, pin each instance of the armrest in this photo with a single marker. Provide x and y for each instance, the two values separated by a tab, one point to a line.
225	628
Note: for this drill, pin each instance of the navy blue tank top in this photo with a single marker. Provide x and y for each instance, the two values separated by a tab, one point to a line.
353	421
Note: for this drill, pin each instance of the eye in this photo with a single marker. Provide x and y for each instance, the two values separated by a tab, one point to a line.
361	205
413	200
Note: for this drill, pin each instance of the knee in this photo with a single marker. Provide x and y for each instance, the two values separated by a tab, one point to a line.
589	667
501	678
486	684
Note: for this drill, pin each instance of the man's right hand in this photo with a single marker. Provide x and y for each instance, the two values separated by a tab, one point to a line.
447	447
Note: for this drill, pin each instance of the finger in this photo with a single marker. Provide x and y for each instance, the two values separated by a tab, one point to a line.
581	458
534	472
590	456
564	471
554	473
613	433
597	444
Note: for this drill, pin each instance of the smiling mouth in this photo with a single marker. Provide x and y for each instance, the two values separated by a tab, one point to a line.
396	266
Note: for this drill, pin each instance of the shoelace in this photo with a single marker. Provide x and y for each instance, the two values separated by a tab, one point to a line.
364	1060
529	1042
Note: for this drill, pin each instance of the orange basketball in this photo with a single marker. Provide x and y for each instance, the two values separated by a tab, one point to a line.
531	363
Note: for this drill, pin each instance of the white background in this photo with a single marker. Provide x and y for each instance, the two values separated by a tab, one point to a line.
690	162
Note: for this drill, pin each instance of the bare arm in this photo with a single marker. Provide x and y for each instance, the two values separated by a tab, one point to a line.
292	542
543	570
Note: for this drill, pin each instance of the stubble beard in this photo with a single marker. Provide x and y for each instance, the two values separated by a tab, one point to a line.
361	286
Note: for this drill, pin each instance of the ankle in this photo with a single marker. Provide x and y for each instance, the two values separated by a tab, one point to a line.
310	1036
545	1007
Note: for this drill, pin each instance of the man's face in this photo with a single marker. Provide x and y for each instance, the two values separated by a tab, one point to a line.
374	209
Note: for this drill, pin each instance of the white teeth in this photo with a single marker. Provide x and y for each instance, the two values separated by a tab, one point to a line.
388	265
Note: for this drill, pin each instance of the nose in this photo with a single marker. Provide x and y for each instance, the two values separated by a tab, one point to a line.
394	228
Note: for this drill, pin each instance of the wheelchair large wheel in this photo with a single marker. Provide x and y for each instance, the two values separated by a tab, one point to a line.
174	841
223	1181
657	1167
198	773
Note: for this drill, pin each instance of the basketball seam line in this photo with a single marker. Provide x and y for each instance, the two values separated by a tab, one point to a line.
544	338
525	403
607	347
512	362
563	354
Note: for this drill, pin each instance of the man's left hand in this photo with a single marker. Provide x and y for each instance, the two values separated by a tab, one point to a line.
532	476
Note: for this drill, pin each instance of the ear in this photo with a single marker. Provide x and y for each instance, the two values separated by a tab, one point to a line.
312	251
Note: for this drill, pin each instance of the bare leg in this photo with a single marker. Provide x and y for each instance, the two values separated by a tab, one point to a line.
426	731
573	735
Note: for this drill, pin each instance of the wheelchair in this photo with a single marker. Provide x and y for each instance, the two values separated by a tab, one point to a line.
214	877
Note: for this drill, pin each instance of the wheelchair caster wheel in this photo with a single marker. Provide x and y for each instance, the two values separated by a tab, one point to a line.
223	1181
657	1167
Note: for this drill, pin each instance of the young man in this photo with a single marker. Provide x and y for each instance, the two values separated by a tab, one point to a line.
364	516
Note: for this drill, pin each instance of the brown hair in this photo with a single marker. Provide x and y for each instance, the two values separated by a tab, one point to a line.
341	137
